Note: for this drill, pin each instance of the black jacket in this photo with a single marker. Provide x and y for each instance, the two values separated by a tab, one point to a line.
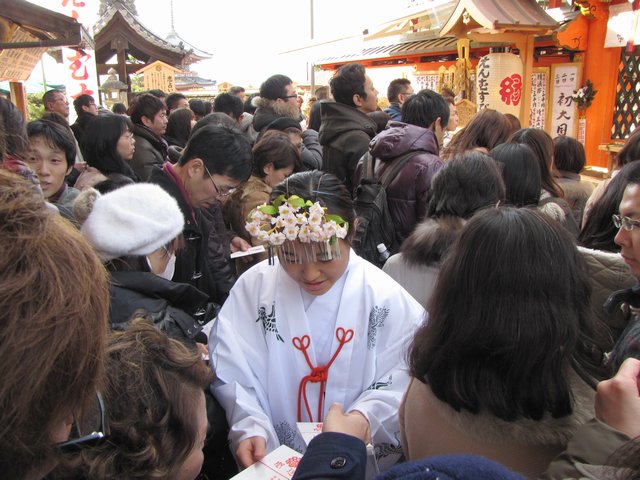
178	309
192	266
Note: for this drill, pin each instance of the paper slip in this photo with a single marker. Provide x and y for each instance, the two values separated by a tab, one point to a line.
280	464
251	251
308	430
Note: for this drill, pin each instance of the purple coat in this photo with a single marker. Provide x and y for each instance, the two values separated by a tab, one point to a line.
409	193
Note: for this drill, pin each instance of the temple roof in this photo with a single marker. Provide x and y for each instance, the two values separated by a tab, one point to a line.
498	15
118	24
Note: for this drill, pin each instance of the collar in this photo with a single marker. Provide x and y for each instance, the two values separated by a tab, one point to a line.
170	171
56	196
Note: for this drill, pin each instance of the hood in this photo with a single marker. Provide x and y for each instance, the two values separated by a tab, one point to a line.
338	118
263	117
431	239
399	138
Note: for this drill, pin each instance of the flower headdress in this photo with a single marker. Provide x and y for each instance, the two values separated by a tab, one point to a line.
295	218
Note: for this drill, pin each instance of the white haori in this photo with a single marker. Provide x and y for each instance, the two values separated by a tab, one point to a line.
259	370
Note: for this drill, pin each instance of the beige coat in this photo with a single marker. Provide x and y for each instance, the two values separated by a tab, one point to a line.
429	427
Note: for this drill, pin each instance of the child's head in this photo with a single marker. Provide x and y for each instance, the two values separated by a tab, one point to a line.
52	154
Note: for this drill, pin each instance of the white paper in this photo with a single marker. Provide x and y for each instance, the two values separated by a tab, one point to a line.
251	251
280	464
308	430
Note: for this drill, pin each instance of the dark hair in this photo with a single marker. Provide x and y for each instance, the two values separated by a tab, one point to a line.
56	136
208	107
274	87
173	99
318	186
487	129
49	96
152	385
52	348
113	182
229	104
275	147
502	339
568	154
424	108
380	118
322	93
224	151
13	134
464	185
145	105
235	90
630	152
100	144
598	231
119	108
447	94
83	100
156	92
514	121
179	125
520	173
396	87
541	144
197	107
215	118
348	81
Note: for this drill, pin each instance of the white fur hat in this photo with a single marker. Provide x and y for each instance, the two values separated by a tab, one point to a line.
132	220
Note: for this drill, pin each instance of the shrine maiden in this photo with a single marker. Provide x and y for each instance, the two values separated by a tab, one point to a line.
313	325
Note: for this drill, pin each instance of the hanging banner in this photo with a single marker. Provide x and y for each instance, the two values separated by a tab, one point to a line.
565	78
80	65
622	26
499	83
16	64
539	93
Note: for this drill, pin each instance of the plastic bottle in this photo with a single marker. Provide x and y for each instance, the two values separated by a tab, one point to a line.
384	253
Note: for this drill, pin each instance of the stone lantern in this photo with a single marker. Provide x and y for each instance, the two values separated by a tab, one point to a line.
113	90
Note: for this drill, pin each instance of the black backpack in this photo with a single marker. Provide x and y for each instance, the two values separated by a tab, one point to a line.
375	225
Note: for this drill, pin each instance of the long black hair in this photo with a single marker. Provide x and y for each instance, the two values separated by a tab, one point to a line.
100	144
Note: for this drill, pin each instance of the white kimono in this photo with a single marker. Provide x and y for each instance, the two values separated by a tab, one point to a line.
259	370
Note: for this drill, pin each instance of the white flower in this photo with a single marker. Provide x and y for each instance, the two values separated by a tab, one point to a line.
329	228
253	228
276	238
316	208
286	209
315	218
341	232
289	220
303	234
263	236
291	232
315	235
580	93
302	218
278	222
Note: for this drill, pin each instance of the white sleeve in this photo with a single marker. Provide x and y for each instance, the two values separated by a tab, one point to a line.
238	356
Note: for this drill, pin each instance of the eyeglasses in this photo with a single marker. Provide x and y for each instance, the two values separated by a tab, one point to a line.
287	97
92	420
625	222
220	193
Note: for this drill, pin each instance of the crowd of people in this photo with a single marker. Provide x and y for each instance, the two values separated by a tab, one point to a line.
181	284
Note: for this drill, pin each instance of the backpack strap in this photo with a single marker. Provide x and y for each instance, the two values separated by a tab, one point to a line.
395	167
368	166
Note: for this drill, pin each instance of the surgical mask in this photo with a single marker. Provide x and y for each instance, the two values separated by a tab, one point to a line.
171	268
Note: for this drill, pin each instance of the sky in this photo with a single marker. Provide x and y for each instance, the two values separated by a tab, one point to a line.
247	37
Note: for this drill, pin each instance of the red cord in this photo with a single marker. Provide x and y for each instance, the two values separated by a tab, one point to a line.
317	374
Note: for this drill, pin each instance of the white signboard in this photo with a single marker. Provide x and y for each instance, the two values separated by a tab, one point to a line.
539	92
565	78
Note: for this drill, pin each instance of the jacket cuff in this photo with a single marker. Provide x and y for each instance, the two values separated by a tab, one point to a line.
333	455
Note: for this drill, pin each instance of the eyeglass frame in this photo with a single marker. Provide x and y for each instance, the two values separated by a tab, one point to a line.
287	97
219	194
92	439
619	221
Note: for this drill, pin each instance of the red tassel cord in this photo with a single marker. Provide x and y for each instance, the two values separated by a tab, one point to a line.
317	374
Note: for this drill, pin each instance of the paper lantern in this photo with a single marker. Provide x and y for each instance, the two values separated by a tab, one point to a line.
499	83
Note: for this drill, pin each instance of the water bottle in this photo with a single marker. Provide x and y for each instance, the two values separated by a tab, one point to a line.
384	253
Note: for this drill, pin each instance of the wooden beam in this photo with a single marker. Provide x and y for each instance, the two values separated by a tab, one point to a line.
19	98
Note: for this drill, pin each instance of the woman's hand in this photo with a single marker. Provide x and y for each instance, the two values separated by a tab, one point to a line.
239	244
618	399
353	423
250	451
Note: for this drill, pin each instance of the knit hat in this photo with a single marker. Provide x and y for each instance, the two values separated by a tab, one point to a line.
132	220
273	87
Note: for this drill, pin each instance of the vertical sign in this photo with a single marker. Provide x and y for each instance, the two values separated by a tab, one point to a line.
80	65
565	78
430	81
539	93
